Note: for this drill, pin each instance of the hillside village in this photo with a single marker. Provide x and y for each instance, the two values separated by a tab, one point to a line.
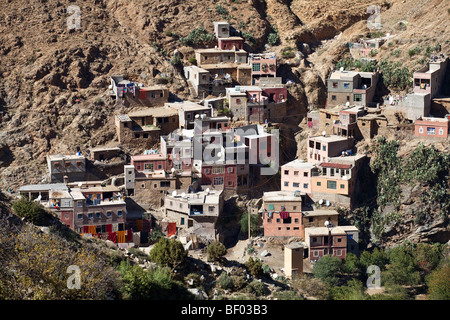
184	168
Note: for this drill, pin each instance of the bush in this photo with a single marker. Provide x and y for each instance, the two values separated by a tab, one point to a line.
248	37
154	236
192	61
224	281
439	283
255	267
255	222
354	290
216	251
238	281
195	277
197	37
176	61
168	252
152	284
401	268
257	288
30	210
273	38
311	287
394	75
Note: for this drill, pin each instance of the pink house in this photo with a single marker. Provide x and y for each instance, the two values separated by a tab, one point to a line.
296	176
149	162
263	65
432	127
231	43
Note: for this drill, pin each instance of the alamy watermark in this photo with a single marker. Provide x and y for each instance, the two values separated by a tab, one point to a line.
374	21
74	280
214	147
74	20
374	279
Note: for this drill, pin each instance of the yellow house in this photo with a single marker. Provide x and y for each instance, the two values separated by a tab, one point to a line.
334	178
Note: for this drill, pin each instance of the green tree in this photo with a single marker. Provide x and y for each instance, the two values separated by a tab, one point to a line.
273	38
216	251
255	222
328	269
401	268
377	257
224	281
168	252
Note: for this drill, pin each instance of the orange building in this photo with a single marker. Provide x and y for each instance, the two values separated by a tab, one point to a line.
431	127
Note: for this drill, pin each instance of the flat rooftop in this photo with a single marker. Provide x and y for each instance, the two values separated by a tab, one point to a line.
42	187
277	196
154	112
200	197
298	163
329	138
321	212
186	106
67	157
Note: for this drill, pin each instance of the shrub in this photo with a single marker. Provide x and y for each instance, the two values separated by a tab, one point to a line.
176	60
288	53
288	295
354	290
152	284
216	251
154	236
221	10
257	288
197	37
168	252
273	38
401	268
224	281
255	267
238	281
195	277
248	37
439	283
192	61
30	210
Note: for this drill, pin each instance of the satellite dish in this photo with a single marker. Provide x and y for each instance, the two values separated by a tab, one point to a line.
173	170
219	154
328	203
174	193
341	69
324	133
80	184
327	223
320	201
183	195
207	190
196	116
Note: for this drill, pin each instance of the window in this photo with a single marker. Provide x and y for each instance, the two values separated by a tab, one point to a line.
305	174
305	186
164	184
296	220
286	184
211	208
357	97
207	171
137	135
441	132
339	240
79	216
314	239
145	135
333	97
90	215
271	207
431	131
119	213
335	84
350	236
294	208
98	215
286	172
346	85
218	170
338	252
324	148
142	185
278	220
342	186
316	253
218	181
66	215
420	130
331	184
296	228
295	173
230	169
256	67
296	185
319	183
238	101
182	221
108	214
